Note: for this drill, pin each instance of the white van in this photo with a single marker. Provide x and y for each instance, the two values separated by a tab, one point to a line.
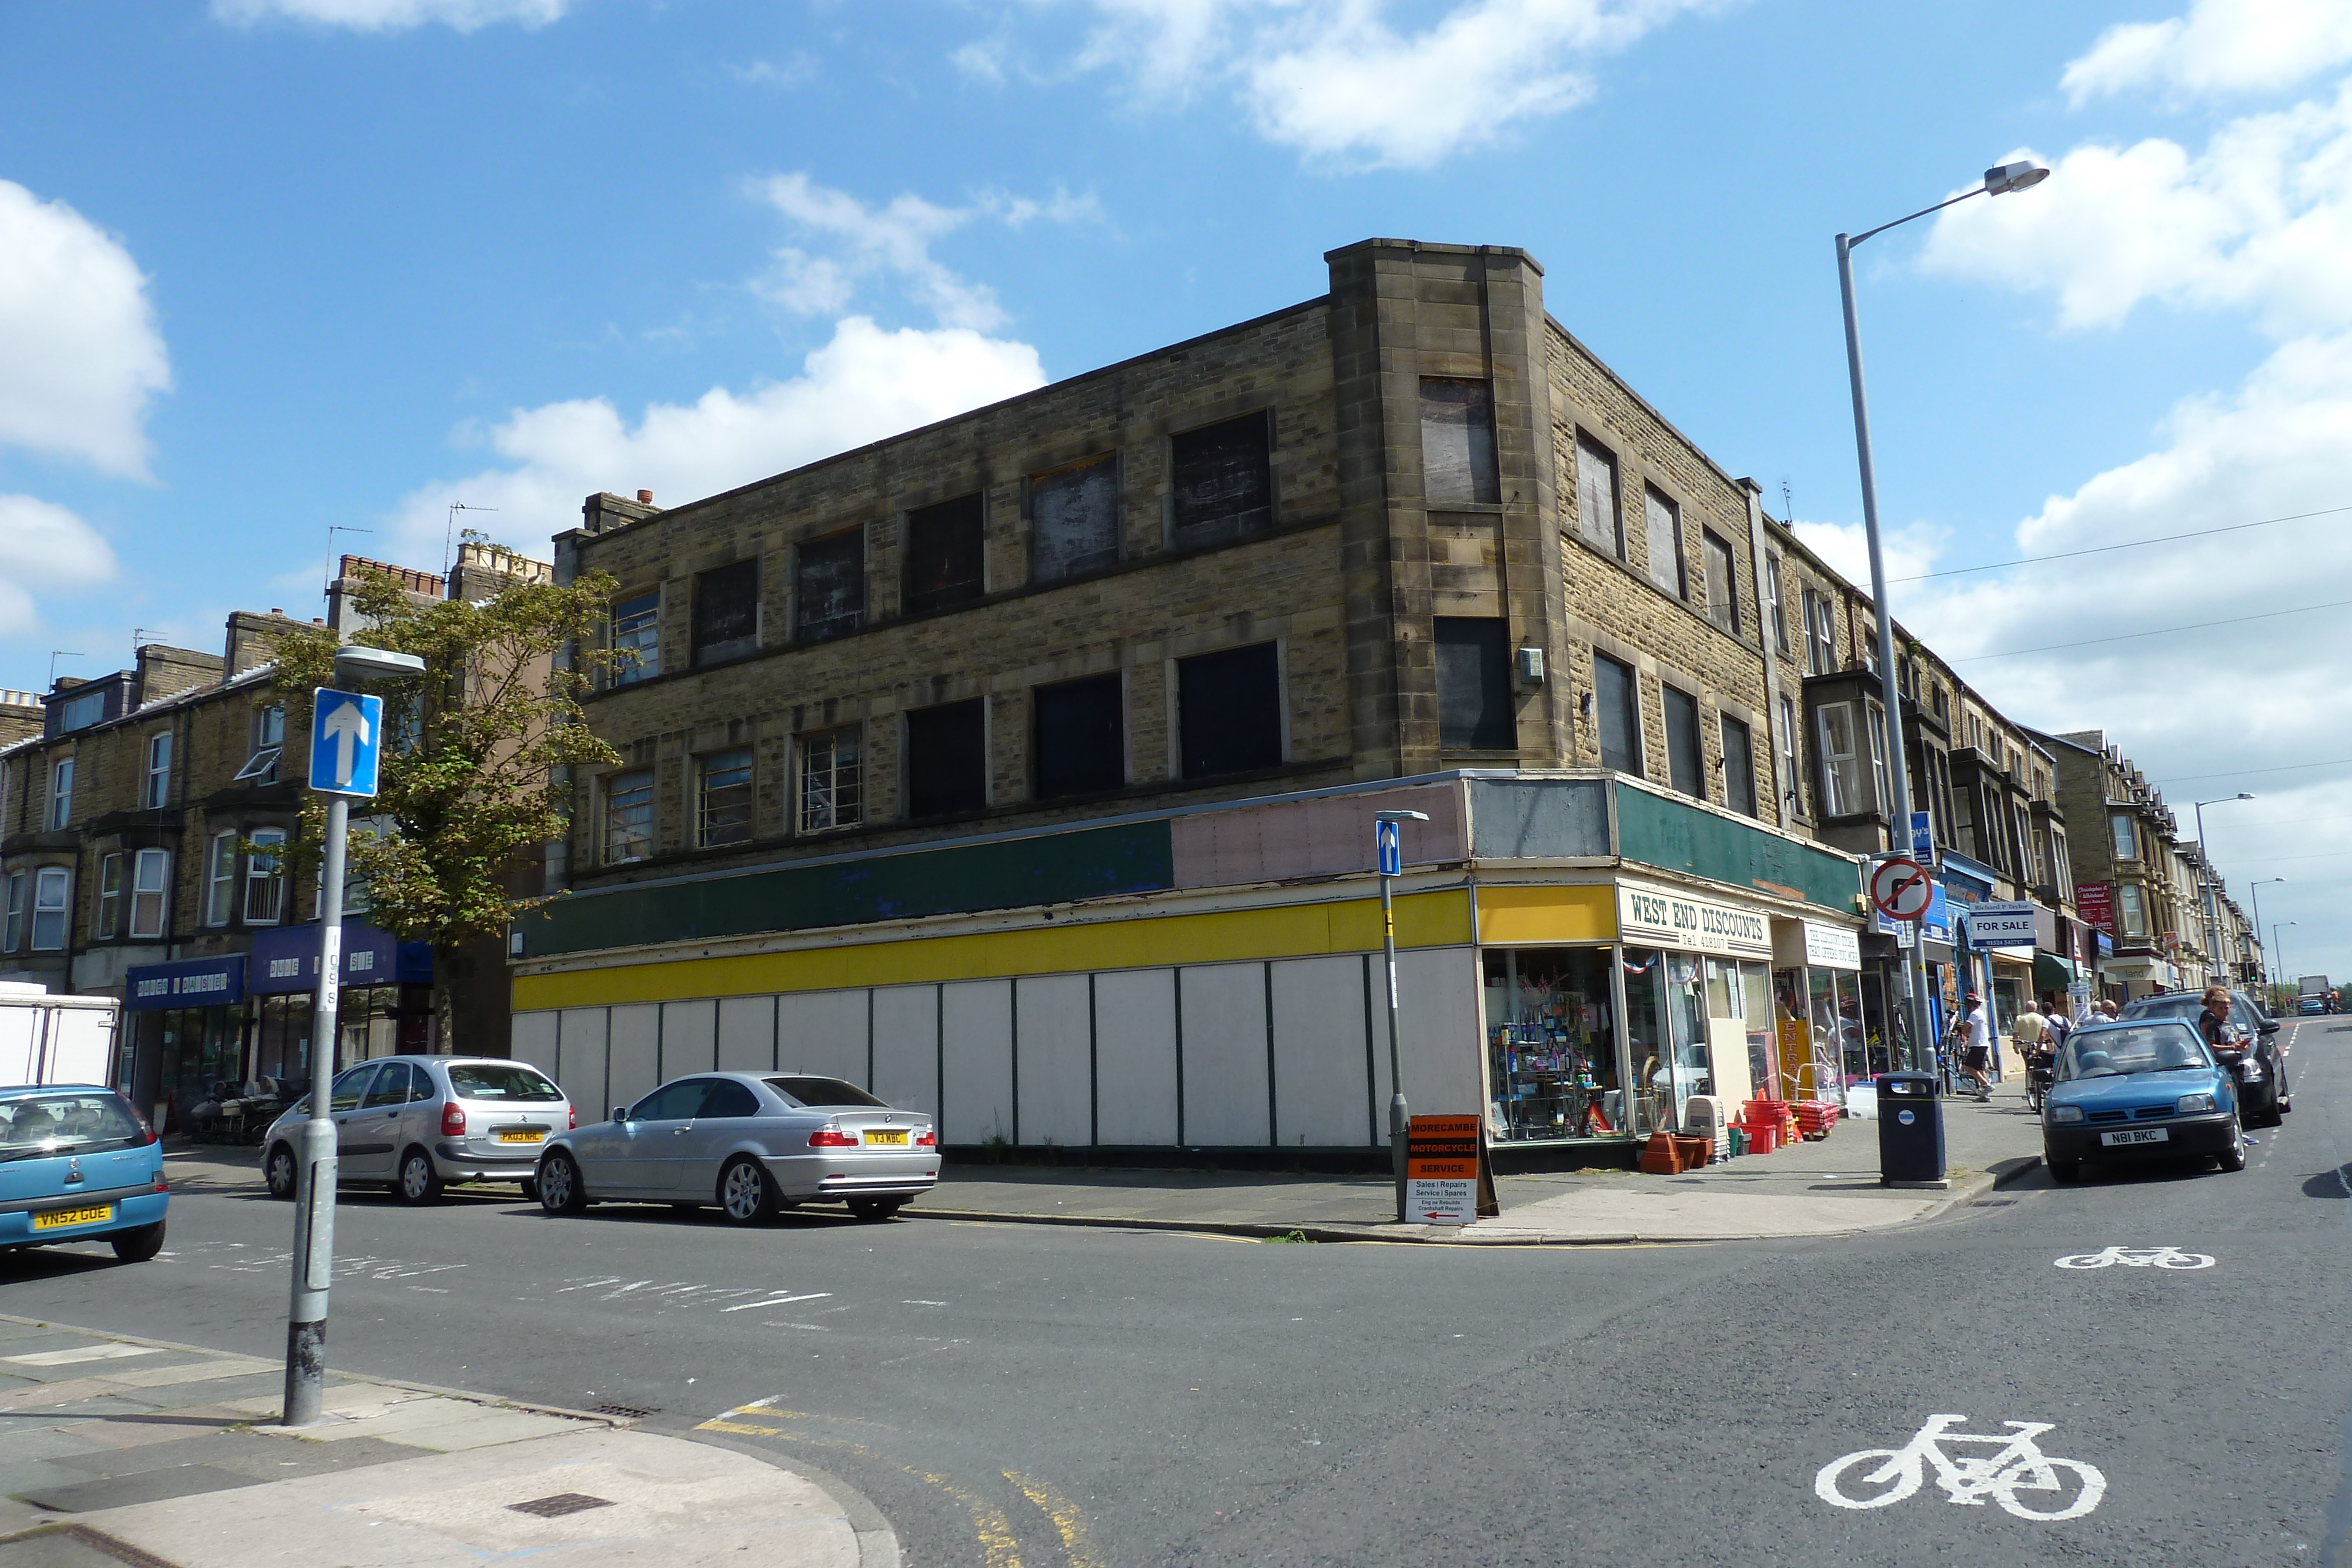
56	1039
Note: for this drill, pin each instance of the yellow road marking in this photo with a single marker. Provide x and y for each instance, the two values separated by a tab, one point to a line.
1067	1520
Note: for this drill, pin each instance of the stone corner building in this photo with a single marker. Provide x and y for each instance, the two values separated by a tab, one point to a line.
1021	766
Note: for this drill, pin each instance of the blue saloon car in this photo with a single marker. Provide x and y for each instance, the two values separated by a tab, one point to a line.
2140	1089
77	1164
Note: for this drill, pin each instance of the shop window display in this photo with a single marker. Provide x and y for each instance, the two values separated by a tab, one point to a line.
1553	1044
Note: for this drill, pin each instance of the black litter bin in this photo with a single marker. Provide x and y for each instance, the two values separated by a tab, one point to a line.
1910	1130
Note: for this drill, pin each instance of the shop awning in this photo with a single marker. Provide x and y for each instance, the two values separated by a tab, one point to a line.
190	983
285	959
2052	973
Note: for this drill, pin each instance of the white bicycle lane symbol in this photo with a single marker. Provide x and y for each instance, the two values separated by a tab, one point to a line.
1886	1476
2137	1258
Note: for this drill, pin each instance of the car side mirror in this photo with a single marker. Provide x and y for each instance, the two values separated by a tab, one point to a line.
620	1113
2269	1026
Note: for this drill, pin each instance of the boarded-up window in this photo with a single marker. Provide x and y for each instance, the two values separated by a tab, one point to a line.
1473	685
1739	767
1665	521
1722	583
1222	482
943	555
1596	498
1074	512
829	596
1079	736
1617	715
726	612
1457	441
947	758
1230	709
1686	765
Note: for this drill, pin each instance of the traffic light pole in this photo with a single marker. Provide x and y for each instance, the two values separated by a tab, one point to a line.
314	1206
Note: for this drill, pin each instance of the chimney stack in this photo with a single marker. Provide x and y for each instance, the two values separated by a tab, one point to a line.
644	497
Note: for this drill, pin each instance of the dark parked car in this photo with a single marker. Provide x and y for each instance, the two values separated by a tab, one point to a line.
2261	1069
2147	1089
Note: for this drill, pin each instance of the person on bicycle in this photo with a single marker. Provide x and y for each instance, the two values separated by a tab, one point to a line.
1975	1054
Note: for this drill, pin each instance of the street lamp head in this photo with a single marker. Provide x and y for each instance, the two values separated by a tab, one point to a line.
2008	177
1400	816
355	663
2243	796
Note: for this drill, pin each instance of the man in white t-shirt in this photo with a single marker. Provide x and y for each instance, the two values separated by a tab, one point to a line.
1982	1038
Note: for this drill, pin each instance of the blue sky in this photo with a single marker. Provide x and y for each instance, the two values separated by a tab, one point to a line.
270	266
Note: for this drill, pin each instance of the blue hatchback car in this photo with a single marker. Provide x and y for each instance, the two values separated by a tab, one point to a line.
2139	1089
77	1164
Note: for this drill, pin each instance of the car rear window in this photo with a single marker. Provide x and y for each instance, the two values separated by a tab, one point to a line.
497	1080
2156	1046
33	1125
810	1091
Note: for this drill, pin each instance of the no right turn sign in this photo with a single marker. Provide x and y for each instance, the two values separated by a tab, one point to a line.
1901	889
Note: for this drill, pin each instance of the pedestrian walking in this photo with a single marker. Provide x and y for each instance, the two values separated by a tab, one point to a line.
1983	1035
1968	1037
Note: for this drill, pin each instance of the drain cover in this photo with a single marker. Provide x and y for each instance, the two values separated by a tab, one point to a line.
626	1412
562	1503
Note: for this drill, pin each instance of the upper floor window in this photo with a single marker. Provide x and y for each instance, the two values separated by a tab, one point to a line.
220	881
831	781
1229	711
2126	836
2062	869
829	586
1597	517
1457	442
1739	767
2132	904
12	930
1821	635
1686	764
947	758
636	638
1221	482
944	558
1793	796
628	816
1079	729
265	879
1665	531
1617	715
83	711
726	612
150	892
157	787
724	806
52	907
1473	685
61	786
1722	583
1074	521
1854	769
1779	614
268	744
110	897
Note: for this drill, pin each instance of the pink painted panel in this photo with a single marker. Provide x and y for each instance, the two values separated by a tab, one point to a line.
1314	838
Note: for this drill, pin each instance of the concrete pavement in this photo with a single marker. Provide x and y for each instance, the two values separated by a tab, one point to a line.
115	1449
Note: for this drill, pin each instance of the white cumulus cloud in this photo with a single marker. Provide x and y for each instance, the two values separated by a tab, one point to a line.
2220	47
80	355
392	16
1372	83
865	383
43	546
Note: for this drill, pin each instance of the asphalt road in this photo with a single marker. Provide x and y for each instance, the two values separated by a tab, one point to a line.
1015	1395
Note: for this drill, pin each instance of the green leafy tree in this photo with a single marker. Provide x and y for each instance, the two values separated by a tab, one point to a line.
467	788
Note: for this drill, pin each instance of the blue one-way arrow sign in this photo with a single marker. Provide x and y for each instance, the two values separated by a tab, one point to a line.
346	742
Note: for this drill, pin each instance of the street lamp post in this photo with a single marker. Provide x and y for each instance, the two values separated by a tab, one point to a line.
2257	890
1998	182
317	1174
2205	879
1388	839
2277	926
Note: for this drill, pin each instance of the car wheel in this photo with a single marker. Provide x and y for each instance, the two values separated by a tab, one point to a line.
420	1182
561	1190
746	1192
2064	1171
281	1172
529	1190
138	1245
870	1210
2233	1158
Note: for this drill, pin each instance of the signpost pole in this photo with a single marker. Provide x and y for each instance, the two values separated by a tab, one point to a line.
314	1206
1388	851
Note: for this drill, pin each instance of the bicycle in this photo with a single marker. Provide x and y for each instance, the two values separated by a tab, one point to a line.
2016	1465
